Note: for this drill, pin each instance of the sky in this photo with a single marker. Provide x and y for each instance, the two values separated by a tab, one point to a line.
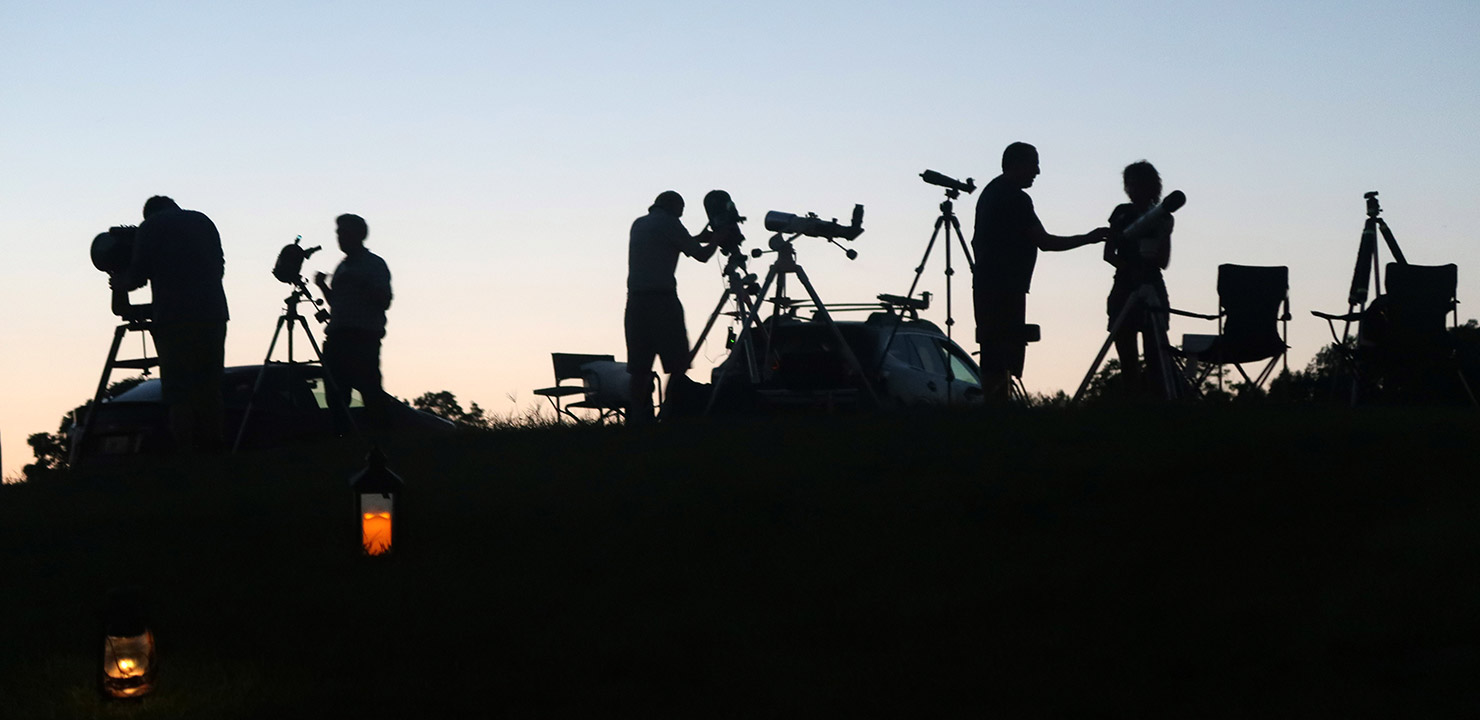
500	151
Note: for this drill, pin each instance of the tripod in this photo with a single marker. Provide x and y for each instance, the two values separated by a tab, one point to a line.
1368	272
786	264
1146	306
293	319
740	288
143	364
946	221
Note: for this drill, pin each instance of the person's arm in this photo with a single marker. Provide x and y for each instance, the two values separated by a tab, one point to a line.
322	281
138	268
693	246
1058	243
1161	250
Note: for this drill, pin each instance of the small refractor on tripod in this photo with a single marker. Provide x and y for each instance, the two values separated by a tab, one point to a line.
289	269
948	222
783	224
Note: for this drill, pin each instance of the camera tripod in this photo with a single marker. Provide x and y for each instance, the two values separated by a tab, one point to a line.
1146	306
1369	265
946	221
293	319
785	264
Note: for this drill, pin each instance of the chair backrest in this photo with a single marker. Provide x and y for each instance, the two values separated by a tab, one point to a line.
1251	296
568	365
1420	297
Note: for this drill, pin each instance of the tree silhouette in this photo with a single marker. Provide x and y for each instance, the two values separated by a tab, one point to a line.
445	405
53	450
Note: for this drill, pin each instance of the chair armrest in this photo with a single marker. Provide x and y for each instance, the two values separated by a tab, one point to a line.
1349	317
561	391
1184	313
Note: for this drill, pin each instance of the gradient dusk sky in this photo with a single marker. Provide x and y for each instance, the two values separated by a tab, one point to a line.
500	151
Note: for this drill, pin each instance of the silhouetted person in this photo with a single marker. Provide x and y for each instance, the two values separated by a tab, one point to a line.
1008	236
1138	262
654	319
358	298
178	253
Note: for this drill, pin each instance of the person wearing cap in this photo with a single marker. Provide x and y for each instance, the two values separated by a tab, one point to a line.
178	253
654	320
358	298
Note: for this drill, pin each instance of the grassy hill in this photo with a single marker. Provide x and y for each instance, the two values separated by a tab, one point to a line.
1207	562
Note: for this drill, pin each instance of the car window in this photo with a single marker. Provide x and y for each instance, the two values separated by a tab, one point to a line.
928	354
902	350
321	398
961	369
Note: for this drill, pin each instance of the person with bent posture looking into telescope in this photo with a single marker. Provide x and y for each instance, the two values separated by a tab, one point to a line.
178	253
653	319
1006	241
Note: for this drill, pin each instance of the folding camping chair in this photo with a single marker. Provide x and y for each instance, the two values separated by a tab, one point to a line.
1405	342
1253	324
572	366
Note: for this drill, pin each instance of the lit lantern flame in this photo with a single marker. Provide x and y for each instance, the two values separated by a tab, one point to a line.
376	532
126	665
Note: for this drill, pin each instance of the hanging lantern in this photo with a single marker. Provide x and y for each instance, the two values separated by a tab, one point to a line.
376	489
129	661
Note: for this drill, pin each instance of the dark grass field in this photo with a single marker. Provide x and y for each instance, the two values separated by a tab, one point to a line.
1195	562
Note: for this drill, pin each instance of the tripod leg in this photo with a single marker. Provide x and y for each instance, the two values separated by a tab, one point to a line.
920	269
1131	303
241	431
102	385
965	247
843	345
1392	242
329	384
747	321
718	308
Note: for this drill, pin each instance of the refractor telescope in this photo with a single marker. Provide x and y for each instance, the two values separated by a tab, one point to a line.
813	226
950	183
1152	220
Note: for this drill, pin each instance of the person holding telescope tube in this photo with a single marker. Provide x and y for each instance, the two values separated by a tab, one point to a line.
653	320
1138	262
1006	241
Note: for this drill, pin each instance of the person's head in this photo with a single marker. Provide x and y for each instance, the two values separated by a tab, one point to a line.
158	204
352	232
1142	183
670	201
1020	164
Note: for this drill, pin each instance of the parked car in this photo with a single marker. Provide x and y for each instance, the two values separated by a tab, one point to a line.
919	367
291	406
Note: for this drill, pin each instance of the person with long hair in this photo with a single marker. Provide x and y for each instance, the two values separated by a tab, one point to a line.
1138	262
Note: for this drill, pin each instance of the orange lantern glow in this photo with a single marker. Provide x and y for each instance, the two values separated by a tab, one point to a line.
129	660
376	491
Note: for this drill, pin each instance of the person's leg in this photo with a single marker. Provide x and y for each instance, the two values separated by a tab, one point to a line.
640	355
209	407
336	355
673	351
174	381
998	325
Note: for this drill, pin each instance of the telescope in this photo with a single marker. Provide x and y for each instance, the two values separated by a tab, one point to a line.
289	265
950	183
724	221
813	226
113	251
1152	220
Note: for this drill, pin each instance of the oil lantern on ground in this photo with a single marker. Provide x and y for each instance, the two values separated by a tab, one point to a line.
129	661
376	490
